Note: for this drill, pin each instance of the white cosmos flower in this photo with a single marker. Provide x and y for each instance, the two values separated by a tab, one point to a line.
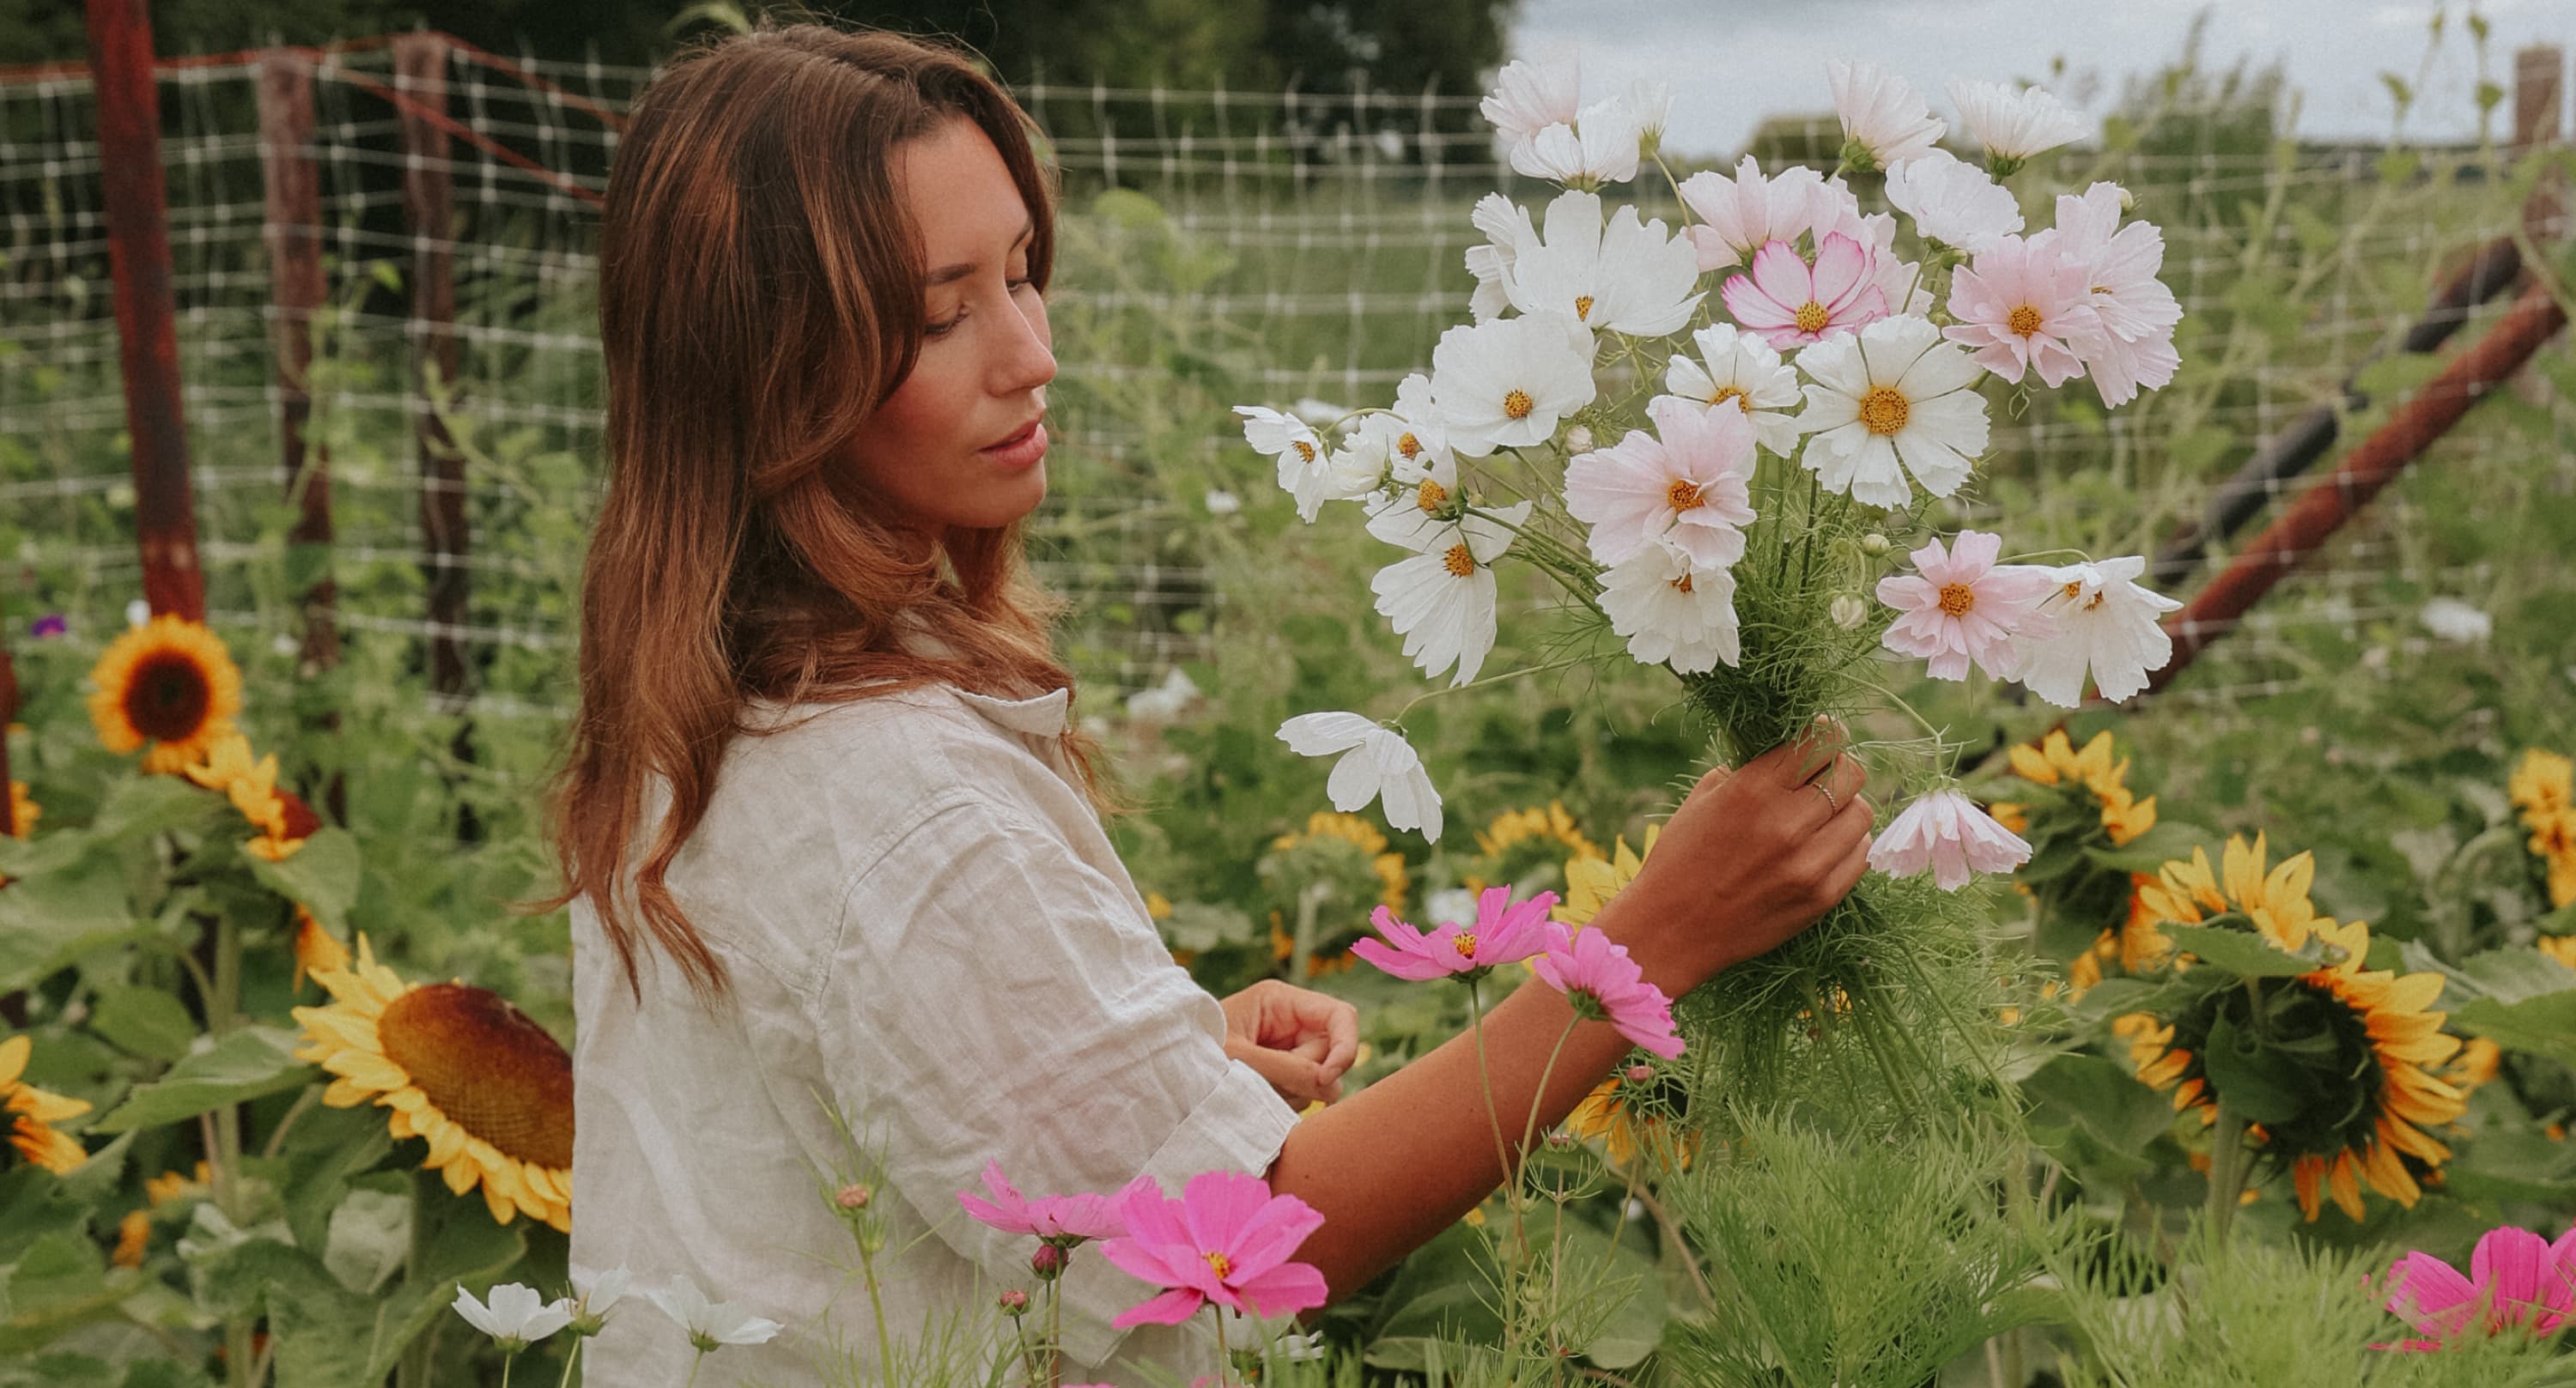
1739	214
1952	201
1508	232
1736	368
1287	440
1672	610
710	1324
1375	761
2138	314
1893	392
1425	500
1414	437
1885	121
2103	623
1689	488
1601	146
516	1317
2455	621
1529	96
596	1294
1507	383
1945	832
2011	126
1633	278
1548	132
1650	108
1441	601
1349	472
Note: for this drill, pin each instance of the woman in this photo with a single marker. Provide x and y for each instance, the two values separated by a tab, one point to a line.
830	838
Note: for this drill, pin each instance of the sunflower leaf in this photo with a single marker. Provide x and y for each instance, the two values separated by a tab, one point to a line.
2239	952
2544	1025
247	1064
323	874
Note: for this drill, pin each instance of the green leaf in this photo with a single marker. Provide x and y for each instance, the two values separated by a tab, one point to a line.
58	1283
146	1021
370	1236
249	1063
2511	976
2240	952
2169	841
323	874
2544	1025
2099	1098
2252	1078
48	921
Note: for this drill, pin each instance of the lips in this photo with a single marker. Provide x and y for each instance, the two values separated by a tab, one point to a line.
1017	437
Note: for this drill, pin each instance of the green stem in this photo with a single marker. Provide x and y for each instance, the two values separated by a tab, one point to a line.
506	1361
2227	1171
1529	1130
1055	1328
570	1360
876	1304
1224	1361
412	1371
694	1365
223	1006
1301	944
1479	683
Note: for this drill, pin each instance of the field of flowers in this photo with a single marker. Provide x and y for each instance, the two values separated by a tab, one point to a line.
2223	1036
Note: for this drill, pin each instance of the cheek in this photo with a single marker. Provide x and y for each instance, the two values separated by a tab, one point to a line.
926	414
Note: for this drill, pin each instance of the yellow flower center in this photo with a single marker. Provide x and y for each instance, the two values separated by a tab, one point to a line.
485	1066
1884	411
2096	602
1305	450
1518	404
2023	320
1682	584
1461	560
1466	944
1956	599
1431	495
1583	307
1408	445
1812	317
1219	1264
1742	401
2074	590
1683	494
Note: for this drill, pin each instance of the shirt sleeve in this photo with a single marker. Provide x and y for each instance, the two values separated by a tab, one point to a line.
993	996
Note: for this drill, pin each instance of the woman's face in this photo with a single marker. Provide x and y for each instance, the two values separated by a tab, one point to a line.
959	443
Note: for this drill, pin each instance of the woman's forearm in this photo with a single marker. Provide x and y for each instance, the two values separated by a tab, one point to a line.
1405	1158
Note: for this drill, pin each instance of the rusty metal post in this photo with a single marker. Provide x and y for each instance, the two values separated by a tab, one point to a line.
138	238
420	74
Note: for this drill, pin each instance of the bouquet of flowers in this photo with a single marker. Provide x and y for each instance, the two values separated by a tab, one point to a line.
1728	446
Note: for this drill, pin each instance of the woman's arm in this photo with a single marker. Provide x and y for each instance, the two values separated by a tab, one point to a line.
1749	860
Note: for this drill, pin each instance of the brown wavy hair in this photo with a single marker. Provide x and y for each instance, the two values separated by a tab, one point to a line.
760	295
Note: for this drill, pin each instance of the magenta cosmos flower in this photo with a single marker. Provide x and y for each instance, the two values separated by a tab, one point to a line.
1789	303
2022	306
1503	932
1059	1219
1605	985
2515	1278
1946	832
1959	605
1226	1240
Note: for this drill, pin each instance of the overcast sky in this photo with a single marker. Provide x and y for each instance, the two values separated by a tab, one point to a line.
1733	62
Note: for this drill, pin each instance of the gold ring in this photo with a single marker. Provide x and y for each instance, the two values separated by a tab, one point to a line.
1829	797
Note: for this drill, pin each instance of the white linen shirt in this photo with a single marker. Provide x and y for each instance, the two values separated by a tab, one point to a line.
926	926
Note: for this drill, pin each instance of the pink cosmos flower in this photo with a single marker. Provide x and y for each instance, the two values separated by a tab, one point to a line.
1690	488
2024	306
1501	933
1789	303
1603	983
1051	1217
1961	606
1226	1240
2514	1278
1738	215
1945	831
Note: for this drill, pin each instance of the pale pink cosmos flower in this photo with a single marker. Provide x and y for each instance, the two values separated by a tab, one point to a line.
1226	1240
1604	984
2515	1278
1691	487
1789	303
1960	605
1056	1218
1503	932
2134	347
2024	305
1945	831
1740	215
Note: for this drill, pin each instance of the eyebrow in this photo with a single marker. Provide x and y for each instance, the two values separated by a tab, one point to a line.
948	273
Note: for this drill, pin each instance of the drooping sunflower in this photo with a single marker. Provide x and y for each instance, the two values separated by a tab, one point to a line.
1591	880
1325	825
2359	1050
284	820
169	682
2138	945
2054	761
316	949
33	1112
460	1068
1631	1115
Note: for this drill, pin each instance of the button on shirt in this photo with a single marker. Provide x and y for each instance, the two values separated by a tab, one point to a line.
927	930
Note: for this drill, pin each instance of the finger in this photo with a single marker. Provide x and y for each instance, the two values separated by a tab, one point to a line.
1848	873
1292	1076
1342	1026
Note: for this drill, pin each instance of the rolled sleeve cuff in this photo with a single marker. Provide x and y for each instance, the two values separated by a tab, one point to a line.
1240	1126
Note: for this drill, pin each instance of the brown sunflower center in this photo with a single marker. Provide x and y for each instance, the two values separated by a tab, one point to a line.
1461	560
1813	316
487	1067
2023	320
168	696
300	821
1884	411
1957	599
1518	404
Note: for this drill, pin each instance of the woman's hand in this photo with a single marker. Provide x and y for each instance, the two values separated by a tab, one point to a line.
1299	1040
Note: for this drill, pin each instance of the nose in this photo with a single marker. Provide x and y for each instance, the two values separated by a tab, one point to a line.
1027	357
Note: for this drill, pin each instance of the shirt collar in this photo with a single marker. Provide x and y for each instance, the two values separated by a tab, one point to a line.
1042	716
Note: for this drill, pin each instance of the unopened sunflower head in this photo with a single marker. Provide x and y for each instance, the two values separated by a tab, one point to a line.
460	1068
1590	882
33	1112
169	683
2543	784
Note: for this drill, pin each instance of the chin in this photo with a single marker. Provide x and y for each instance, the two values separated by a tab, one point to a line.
1005	500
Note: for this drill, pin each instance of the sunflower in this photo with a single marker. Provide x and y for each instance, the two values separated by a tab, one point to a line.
461	1068
316	949
169	682
2136	943
2357	1046
1590	881
133	1238
2053	761
281	816
1631	1115
33	1112
2553	841
1519	841
2543	784
1350	828
23	811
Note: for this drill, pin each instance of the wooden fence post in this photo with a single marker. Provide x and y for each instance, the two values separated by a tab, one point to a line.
138	241
420	74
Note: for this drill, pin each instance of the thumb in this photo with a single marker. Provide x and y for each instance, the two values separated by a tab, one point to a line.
1297	1079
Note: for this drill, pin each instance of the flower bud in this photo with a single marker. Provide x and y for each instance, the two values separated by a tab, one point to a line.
852	1197
1047	1262
1849	612
1560	1140
1874	544
1015	1303
1640	1072
1578	440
